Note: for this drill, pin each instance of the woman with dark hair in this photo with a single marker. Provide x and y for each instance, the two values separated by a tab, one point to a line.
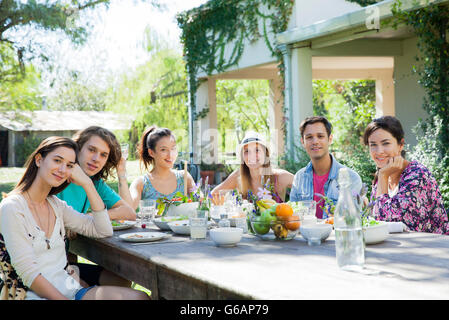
256	170
157	153
33	222
402	190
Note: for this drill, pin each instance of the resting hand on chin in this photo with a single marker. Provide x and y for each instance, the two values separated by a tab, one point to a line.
78	176
395	166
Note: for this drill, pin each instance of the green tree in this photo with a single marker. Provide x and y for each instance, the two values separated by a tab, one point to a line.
62	16
241	105
22	94
156	92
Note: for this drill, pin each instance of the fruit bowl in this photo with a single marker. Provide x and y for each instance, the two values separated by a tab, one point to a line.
276	229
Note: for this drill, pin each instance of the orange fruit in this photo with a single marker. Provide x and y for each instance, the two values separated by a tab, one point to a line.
292	223
284	210
329	220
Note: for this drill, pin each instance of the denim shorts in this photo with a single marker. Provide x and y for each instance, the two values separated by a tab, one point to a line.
81	292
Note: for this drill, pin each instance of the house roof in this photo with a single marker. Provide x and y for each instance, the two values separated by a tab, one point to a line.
351	20
43	120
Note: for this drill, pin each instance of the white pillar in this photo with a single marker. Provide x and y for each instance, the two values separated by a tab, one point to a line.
275	118
302	91
206	133
385	104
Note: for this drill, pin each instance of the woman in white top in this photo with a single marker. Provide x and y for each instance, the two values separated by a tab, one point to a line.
33	220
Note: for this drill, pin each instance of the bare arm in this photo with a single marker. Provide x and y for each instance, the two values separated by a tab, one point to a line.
284	181
43	288
123	189
122	211
135	191
230	183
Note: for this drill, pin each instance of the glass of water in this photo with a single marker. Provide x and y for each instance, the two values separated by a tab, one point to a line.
125	150
308	211
147	210
198	225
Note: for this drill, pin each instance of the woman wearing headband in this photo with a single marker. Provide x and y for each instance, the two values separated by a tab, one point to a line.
256	170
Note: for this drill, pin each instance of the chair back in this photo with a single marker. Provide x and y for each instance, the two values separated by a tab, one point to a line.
11	286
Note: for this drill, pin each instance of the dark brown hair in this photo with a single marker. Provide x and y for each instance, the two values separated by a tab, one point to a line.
387	123
115	153
315	119
44	148
149	140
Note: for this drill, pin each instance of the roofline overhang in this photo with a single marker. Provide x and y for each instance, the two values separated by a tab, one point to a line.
354	21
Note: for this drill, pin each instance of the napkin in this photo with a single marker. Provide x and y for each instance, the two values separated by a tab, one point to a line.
396	227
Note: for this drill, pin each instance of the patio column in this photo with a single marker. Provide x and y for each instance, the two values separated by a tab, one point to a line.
302	91
206	135
385	104
275	117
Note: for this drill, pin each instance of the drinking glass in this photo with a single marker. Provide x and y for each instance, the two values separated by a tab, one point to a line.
241	223
147	210
125	149
198	225
306	190
308	211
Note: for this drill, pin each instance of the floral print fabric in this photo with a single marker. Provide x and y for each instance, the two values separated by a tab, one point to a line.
418	202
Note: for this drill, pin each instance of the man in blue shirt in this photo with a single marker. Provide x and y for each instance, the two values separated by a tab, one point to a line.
99	154
321	174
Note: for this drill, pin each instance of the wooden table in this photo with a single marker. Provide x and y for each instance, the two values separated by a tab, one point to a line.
405	266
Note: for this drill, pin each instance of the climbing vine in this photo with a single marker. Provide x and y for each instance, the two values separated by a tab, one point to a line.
431	25
207	32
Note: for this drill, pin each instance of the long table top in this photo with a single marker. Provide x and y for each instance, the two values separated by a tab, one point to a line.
405	266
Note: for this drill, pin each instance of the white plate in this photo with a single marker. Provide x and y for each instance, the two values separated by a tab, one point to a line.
124	225
143	236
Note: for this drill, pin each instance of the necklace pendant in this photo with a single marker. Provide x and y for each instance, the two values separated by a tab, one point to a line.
48	244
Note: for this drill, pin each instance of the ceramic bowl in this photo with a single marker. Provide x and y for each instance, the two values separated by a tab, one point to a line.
225	237
162	222
184	209
180	227
376	233
315	233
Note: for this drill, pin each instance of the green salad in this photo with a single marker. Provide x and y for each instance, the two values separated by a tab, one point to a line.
174	218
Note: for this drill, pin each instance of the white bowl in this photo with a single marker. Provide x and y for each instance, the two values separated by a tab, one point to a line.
226	237
184	209
180	227
162	222
377	233
315	233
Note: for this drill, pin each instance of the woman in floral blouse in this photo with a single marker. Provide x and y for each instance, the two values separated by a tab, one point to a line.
403	190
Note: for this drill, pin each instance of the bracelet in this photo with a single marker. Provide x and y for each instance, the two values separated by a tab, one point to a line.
123	176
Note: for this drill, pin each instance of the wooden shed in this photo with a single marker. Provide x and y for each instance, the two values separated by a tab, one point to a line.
18	126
